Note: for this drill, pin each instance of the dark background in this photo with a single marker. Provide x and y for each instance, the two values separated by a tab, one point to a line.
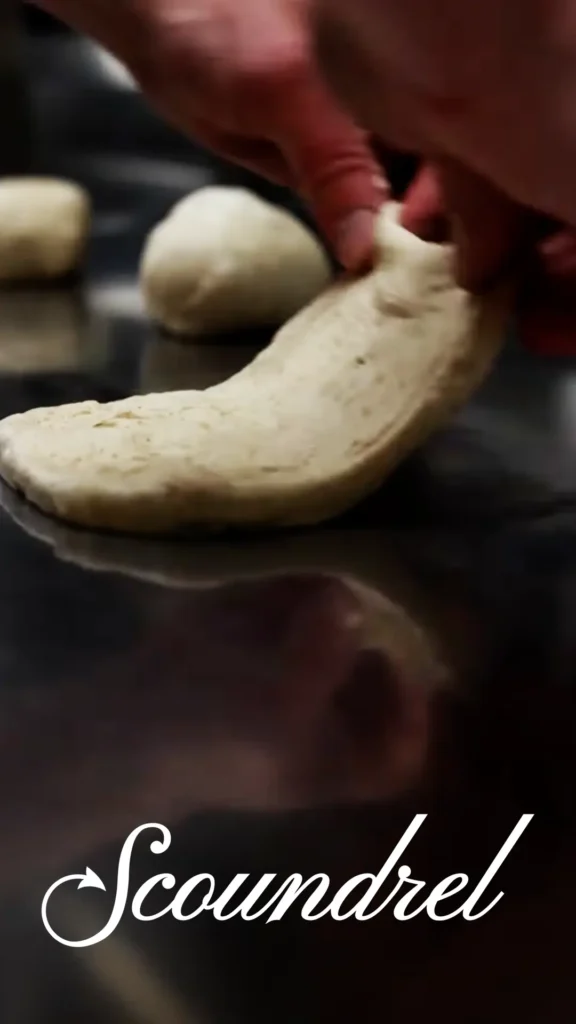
159	682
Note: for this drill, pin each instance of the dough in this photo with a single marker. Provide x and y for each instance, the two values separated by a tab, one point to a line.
44	225
224	259
346	389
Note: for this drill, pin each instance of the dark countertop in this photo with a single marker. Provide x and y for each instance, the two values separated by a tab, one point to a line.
281	704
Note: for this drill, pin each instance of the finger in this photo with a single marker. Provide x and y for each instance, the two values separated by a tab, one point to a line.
336	171
547	308
354	63
256	155
489	230
423	210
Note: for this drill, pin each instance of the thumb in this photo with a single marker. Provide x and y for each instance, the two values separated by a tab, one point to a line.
423	210
490	231
335	170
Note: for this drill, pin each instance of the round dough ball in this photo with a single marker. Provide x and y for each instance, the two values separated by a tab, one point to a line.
44	225
224	259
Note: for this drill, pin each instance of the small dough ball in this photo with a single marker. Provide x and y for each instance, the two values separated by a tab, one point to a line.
44	225
224	259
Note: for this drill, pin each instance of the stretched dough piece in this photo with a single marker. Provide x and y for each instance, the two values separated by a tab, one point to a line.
44	225
345	390
224	259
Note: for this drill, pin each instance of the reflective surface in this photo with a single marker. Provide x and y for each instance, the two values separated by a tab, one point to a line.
15	126
281	704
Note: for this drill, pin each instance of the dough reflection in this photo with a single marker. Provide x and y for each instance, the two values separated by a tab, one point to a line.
41	331
284	686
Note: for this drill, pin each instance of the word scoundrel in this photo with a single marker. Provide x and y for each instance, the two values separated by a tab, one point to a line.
225	905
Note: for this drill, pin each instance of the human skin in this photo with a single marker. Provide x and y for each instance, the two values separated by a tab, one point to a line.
486	92
242	79
492	119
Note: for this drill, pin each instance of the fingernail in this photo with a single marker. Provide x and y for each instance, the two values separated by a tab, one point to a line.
355	240
381	187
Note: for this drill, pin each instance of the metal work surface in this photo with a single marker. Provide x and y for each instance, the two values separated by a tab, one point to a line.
283	705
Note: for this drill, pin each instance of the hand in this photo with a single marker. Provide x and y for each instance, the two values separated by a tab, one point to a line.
546	313
486	90
240	76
